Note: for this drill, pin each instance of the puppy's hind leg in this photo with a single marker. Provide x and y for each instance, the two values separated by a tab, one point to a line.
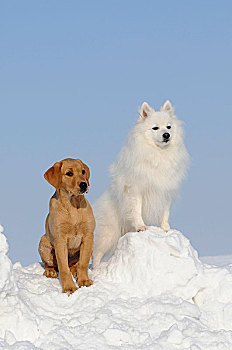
73	264
50	272
48	257
73	270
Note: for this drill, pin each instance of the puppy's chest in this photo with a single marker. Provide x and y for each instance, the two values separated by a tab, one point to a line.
74	241
77	227
75	235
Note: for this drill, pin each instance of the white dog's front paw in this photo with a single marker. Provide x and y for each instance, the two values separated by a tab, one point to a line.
165	226
141	228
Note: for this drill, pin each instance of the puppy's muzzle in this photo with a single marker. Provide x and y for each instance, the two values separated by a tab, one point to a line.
83	187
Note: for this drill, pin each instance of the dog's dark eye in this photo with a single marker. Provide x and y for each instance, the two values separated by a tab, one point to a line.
69	173
83	172
169	127
155	128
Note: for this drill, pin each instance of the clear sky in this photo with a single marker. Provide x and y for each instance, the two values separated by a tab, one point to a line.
73	74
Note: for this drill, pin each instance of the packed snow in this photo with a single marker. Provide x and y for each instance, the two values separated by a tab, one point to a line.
153	293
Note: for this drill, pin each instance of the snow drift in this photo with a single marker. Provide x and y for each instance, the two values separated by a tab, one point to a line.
153	293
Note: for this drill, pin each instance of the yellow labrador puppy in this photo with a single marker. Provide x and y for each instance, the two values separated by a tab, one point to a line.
67	245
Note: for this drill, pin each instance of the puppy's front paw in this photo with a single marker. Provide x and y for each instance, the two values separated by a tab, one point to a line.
165	226
85	283
141	228
69	288
50	273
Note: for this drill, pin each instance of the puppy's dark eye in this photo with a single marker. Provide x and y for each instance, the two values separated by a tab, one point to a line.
169	127
69	173
155	128
83	172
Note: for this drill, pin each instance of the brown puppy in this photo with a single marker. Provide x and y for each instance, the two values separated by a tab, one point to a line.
68	241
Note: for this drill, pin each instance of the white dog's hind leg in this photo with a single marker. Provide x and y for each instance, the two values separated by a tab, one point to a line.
97	259
106	240
108	229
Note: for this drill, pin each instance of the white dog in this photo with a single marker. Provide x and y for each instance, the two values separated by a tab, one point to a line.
145	179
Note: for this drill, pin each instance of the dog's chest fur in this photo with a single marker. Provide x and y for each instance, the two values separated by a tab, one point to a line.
76	227
162	172
73	221
159	171
74	241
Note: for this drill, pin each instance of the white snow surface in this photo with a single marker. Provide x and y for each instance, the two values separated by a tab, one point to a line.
153	293
219	260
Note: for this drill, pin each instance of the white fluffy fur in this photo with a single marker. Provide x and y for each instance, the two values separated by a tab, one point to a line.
145	179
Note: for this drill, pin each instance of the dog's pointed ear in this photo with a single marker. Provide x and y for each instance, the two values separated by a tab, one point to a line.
53	175
167	107
144	110
87	171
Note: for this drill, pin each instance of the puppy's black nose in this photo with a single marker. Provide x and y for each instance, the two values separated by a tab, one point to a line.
83	186
166	135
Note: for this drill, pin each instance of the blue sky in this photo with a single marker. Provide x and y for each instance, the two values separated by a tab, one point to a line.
73	74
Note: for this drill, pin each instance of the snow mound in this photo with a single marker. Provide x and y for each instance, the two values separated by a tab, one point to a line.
154	293
219	260
154	262
7	283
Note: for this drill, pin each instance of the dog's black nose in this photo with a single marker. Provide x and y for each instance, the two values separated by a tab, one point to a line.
83	186
166	135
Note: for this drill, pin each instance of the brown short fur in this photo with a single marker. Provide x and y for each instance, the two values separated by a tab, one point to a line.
67	245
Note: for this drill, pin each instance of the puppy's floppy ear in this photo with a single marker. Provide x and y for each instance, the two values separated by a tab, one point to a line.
144	110
167	107
87	172
53	175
